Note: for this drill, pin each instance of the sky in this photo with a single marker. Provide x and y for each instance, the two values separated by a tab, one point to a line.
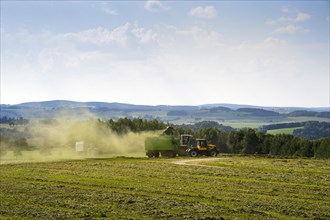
266	53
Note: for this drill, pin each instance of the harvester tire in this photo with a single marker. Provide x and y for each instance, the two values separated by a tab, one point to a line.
193	153
150	154
171	154
213	153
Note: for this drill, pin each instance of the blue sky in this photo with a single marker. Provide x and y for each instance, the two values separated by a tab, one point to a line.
271	53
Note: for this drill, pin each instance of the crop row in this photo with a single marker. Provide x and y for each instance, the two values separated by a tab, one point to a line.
132	188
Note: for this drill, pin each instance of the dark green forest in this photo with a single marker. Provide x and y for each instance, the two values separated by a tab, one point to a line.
227	139
13	121
313	130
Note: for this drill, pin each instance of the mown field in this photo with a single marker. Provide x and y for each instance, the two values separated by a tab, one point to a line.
231	187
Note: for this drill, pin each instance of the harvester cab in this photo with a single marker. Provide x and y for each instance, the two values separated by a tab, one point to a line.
202	144
186	141
202	148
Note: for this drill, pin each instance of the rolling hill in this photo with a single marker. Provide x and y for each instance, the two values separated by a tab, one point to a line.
223	113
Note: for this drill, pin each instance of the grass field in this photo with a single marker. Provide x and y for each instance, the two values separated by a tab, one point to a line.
139	188
283	130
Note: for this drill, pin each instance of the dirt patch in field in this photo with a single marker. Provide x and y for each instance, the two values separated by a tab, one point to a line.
196	162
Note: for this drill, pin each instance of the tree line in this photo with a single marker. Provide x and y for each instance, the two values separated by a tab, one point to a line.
242	141
314	130
12	121
311	130
303	113
265	128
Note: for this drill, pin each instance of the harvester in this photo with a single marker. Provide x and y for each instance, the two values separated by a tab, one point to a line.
167	145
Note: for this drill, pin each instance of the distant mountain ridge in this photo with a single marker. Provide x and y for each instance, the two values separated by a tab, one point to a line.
74	104
170	113
116	105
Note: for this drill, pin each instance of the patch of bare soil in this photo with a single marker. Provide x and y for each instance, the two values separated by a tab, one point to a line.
196	162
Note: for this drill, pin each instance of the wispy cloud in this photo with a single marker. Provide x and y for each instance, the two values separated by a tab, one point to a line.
143	35
266	44
155	5
287	25
285	9
200	37
300	17
271	41
108	10
100	35
206	12
290	29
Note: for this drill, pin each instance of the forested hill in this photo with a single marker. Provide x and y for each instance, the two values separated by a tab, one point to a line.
175	114
115	105
303	113
258	112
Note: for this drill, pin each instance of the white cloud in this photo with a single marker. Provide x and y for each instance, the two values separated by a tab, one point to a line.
202	38
268	43
285	9
270	22
154	5
290	29
274	41
144	35
278	21
90	65
301	17
121	35
100	36
206	12
110	11
107	9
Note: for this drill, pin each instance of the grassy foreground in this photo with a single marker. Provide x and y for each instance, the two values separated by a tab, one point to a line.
139	188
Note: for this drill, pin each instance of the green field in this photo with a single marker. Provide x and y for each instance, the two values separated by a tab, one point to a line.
283	130
231	187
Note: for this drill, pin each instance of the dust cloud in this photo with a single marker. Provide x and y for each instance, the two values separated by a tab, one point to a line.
67	138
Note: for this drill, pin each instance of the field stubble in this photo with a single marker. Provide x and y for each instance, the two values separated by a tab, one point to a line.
140	188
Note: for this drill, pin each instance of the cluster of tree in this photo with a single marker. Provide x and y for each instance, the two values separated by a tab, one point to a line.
302	113
123	125
314	130
13	121
250	141
177	113
265	128
246	112
221	109
17	145
228	140
13	140
311	130
258	112
207	124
